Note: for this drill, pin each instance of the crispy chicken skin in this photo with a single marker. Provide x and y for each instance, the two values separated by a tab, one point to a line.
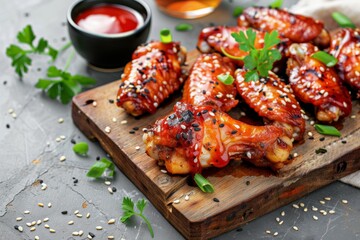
296	28
153	74
212	39
345	46
316	84
196	137
204	88
274	100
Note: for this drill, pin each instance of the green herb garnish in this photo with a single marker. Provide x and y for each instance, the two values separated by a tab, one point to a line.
182	27
259	61
128	208
238	11
342	20
165	35
227	79
203	183
325	58
98	169
327	130
81	148
20	56
320	151
276	4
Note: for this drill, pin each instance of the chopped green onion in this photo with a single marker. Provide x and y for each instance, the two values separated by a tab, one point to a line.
229	55
165	36
99	168
342	20
182	27
238	11
327	130
227	79
81	148
325	58
276	4
203	183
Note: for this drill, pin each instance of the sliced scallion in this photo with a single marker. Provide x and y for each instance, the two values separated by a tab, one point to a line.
238	11
276	4
342	20
100	167
203	183
165	35
327	130
182	27
325	58
227	79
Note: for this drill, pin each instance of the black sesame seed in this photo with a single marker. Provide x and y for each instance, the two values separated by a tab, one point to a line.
270	109
247	183
5	82
111	101
198	114
73	141
41	181
76	181
64	212
311	138
322	139
214	110
132	132
135	128
343	141
16	227
204	111
27	14
204	91
177	136
221	125
91	234
89	101
7	125
214	120
216	199
114	189
195	125
184	136
97	158
197	129
38	69
239	230
234	131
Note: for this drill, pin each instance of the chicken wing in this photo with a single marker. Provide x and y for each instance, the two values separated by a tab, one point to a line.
345	46
196	137
217	38
314	83
272	99
296	28
204	88
153	74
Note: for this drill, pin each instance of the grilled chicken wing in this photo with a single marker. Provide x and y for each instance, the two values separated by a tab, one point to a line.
314	83
272	99
217	38
204	88
296	28
153	74
196	137
345	46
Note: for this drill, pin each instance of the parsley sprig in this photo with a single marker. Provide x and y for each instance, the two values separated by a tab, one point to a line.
20	56
259	61
128	208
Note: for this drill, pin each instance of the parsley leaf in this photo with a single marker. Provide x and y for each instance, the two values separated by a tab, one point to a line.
128	211
20	56
259	61
62	85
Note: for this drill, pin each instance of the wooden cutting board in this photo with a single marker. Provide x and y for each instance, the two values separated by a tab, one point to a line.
243	192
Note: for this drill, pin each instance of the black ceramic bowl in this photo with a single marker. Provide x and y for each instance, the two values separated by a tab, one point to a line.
108	50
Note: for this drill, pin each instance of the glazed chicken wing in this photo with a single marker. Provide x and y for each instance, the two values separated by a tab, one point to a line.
196	137
153	74
217	38
296	28
345	46
204	88
272	99
314	83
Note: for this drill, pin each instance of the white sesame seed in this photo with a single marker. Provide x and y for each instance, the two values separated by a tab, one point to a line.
46	226
62	137
295	155
183	126
76	212
75	233
60	120
99	228
38	222
268	231
331	211
276	233
71	222
344	201
18	219
327	198
305	209
353	116
176	201
137	147
281	222
322	202
81	232
312	122
52	230
46	219
20	229
44	186
310	134
302	205
107	129
314	208
295	206
295	228
58	139
108	183
49	205
36	238
315	218
27	212
14	115
33	223
89	237
123	122
10	111
111	237
32	229
114	119
79	215
28	224
87	215
282	213
62	158
94	103
163	171
111	221
110	190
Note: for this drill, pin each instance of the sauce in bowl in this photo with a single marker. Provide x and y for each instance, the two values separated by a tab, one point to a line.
109	19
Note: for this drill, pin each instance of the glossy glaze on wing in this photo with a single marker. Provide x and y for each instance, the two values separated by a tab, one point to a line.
153	74
192	138
203	86
274	100
314	83
296	28
345	46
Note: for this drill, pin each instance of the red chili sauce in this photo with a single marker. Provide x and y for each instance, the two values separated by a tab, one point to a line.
108	19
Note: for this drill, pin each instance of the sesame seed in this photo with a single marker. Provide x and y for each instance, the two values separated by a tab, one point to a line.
108	183
322	202
163	171
331	211
295	228
310	134
38	222
44	186
280	223
18	219
76	212
305	209
110	190
71	222
314	208
62	158
276	233
277	219
62	137
46	226
28	224
295	206
79	215
315	218
94	103
137	147
187	198
46	220
327	198
176	201
114	119
312	122
49	205
111	237
107	129
353	116
58	139
60	120
268	231
302	205
87	215
81	232
52	230
20	228
123	122
36	238
75	233
32	229
111	221
282	213
295	155
10	111
344	201
27	212
99	228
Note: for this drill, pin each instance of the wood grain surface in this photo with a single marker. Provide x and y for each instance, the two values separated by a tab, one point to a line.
244	192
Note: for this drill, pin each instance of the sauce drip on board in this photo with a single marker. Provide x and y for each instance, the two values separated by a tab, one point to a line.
109	19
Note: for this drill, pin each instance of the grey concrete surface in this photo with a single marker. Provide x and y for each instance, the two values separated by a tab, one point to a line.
29	151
